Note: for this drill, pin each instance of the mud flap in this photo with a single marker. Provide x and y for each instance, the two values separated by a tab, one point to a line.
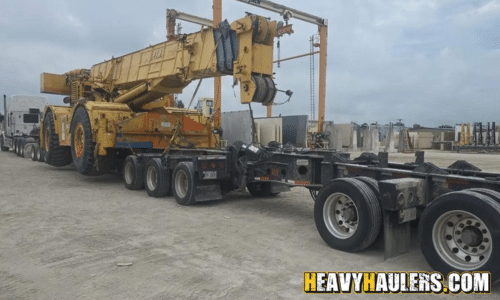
396	235
207	191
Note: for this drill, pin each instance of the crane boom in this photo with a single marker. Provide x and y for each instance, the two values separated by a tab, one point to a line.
243	49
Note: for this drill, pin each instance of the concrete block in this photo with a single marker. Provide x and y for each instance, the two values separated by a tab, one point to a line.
354	140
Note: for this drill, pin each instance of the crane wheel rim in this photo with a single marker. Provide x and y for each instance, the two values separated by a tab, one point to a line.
47	139
152	178
181	183
462	240
79	140
341	215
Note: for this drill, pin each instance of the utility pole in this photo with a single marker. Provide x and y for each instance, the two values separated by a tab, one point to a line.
217	8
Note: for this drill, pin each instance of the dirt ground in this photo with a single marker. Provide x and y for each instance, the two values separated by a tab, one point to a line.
65	236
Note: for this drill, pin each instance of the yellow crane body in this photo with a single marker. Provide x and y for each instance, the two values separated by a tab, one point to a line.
126	102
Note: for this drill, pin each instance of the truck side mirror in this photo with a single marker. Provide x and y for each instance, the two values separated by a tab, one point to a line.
67	100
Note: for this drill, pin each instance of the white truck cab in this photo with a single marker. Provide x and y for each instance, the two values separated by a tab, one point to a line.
21	120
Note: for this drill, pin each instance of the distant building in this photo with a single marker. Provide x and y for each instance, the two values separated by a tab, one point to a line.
429	138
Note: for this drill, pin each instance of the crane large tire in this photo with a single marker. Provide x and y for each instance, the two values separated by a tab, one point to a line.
156	178
459	232
54	154
133	173
184	183
2	146
260	189
347	215
82	145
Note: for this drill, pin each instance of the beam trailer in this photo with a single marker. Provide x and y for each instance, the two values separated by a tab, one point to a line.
457	207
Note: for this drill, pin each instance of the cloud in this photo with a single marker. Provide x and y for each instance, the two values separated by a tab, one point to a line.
428	62
481	14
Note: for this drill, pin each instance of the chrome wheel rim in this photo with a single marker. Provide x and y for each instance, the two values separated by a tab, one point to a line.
181	183
340	215
128	173
462	240
152	178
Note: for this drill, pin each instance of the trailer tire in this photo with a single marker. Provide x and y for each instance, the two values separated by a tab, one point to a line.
458	231
82	145
54	154
22	144
16	146
371	183
260	189
156	178
487	192
347	215
41	155
133	173
184	183
34	152
2	145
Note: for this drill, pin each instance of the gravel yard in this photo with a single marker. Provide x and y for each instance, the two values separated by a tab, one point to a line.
67	236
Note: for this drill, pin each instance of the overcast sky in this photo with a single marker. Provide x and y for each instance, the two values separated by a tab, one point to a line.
426	62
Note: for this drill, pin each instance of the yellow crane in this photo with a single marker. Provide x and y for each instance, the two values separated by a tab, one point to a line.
124	104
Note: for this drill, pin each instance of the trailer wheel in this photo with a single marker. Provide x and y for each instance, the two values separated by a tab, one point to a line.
348	215
157	179
2	145
133	173
371	183
184	183
16	146
22	145
34	152
487	192
260	189
458	231
41	155
54	154
82	146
